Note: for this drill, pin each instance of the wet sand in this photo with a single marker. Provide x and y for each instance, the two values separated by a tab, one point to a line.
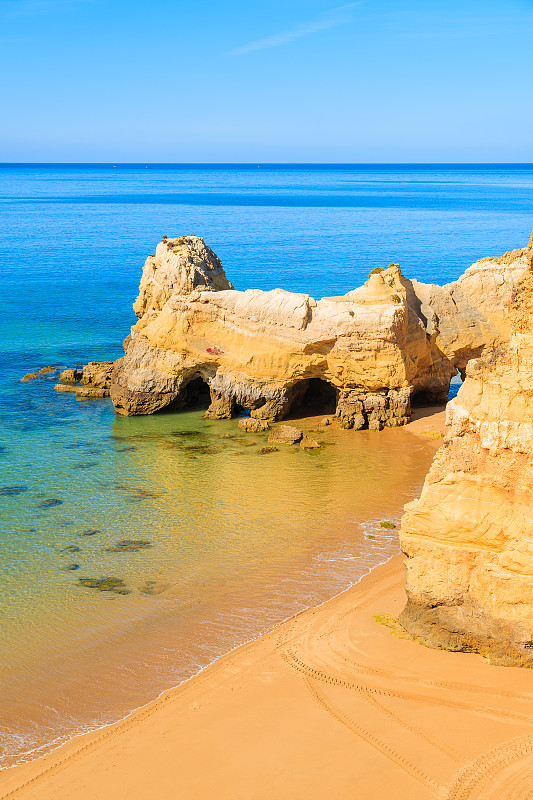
331	704
334	703
307	527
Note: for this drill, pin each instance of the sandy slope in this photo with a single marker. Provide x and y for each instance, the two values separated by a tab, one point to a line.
331	704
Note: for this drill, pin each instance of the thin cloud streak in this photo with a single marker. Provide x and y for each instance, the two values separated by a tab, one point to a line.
16	8
279	39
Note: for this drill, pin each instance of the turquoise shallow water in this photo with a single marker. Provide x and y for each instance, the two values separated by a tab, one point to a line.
237	540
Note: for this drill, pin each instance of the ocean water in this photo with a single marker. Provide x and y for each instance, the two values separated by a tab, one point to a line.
234	541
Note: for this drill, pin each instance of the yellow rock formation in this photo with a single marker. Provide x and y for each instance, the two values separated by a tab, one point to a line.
367	352
469	538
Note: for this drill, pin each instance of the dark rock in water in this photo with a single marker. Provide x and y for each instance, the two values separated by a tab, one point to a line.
105	584
188	433
3	450
192	448
72	567
71	548
50	503
10	491
126	449
137	495
264	450
388	525
86	465
129	546
90	532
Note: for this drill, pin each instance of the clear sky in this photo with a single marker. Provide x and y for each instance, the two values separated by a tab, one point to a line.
266	80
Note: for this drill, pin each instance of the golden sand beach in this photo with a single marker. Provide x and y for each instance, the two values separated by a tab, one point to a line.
335	703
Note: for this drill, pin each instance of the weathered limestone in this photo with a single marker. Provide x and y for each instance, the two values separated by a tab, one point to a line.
98	374
179	266
70	376
251	425
469	538
95	380
269	352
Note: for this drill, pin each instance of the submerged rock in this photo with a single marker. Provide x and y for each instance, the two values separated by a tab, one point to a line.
11	491
106	584
264	450
30	376
71	548
285	434
50	503
129	546
90	532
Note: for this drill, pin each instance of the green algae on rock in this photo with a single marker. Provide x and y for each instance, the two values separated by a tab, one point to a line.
105	584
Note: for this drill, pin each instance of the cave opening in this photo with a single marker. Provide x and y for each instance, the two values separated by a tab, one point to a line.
320	397
197	394
425	399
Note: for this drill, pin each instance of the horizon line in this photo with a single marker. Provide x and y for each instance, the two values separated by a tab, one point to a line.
258	164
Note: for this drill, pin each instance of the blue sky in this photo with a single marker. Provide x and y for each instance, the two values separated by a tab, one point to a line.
266	80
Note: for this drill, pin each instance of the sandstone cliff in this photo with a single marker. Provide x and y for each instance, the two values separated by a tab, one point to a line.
469	538
370	350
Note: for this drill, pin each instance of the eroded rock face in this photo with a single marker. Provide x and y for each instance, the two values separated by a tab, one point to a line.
469	538
271	351
95	378
178	266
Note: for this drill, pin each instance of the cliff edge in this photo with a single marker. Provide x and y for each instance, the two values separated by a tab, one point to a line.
469	538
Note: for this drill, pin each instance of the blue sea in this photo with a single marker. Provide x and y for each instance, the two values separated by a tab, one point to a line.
233	541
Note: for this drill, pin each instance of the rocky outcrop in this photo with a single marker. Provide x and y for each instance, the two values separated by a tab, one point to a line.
366	352
178	266
94	380
30	376
251	425
469	538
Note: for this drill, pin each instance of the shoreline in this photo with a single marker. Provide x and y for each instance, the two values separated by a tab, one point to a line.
193	677
336	696
426	422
